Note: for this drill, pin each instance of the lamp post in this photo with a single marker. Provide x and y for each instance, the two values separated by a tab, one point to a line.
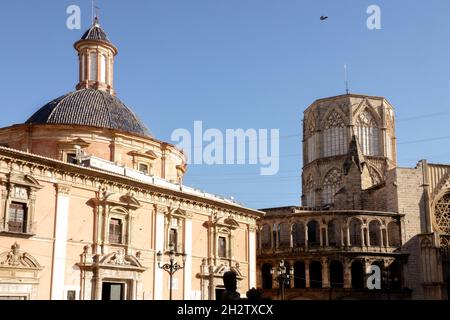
172	266
283	276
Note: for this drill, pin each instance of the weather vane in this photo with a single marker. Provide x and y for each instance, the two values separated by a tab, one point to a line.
95	11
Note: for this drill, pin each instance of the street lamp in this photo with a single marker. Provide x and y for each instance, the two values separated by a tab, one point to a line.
283	276
172	266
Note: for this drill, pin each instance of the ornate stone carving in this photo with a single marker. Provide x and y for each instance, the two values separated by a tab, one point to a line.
442	214
119	258
15	258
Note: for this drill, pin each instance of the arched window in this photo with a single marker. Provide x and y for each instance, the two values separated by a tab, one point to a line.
357	275
374	233
266	276
315	274
299	275
334	233
331	185
334	135
309	191
266	237
298	234
393	234
442	214
93	66
103	68
336	274
367	132
313	233
284	239
83	67
355	232
311	140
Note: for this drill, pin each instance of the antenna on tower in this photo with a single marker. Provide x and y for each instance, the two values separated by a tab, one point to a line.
346	79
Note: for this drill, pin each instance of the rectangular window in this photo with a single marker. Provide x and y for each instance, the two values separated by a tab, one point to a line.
71	295
115	231
17	217
173	239
143	168
222	247
71	158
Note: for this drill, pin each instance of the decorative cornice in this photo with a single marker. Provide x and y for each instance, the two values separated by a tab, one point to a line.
50	169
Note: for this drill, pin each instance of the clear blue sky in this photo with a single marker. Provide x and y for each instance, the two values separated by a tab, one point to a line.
242	64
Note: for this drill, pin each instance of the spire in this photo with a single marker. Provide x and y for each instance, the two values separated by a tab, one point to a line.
96	54
354	156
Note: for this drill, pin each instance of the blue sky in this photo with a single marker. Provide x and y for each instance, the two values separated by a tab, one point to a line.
242	64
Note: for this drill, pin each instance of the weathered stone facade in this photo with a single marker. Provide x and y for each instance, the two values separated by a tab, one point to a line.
360	209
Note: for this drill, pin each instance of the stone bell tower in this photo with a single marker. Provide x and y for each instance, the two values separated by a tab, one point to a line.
356	126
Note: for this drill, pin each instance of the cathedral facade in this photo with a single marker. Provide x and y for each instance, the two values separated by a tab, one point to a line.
93	206
359	210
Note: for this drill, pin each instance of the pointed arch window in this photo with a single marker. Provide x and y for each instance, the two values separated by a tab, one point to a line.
368	133
331	185
311	140
334	135
442	214
309	191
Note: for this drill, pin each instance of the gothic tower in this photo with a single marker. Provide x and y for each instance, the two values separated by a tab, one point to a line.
329	127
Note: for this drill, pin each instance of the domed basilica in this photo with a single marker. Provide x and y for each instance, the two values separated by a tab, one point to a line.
92	205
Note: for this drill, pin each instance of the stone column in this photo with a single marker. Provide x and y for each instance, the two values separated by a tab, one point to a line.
363	237
326	236
252	256
348	236
325	273
306	237
368	237
60	244
321	236
307	282
347	274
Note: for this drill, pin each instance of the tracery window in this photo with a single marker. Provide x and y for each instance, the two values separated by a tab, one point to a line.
442	214
331	185
310	194
334	135
367	132
311	141
266	236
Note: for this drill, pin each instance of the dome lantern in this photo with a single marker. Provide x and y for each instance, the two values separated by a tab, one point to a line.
96	56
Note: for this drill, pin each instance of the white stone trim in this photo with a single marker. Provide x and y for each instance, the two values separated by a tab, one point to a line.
60	247
188	264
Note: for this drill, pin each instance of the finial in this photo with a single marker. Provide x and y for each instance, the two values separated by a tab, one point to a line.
95	13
